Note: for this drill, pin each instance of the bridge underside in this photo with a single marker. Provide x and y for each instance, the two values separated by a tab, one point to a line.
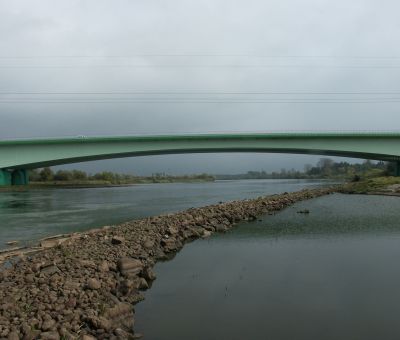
16	157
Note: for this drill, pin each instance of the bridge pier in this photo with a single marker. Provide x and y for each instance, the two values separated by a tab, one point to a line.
5	177
20	177
14	177
397	168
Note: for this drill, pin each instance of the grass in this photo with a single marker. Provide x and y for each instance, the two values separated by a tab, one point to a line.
371	184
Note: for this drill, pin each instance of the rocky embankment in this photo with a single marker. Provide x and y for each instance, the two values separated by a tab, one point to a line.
84	286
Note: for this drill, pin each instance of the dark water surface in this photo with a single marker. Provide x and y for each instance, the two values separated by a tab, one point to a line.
332	274
31	215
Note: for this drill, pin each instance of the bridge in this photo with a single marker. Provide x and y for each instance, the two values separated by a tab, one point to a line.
18	156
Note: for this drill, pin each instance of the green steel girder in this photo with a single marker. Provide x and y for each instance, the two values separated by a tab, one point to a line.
36	153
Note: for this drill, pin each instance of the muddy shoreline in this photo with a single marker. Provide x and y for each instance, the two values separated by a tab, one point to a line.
85	285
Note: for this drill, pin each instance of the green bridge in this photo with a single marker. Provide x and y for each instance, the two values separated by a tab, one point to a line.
18	156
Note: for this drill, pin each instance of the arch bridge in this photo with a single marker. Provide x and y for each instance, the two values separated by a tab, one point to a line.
18	156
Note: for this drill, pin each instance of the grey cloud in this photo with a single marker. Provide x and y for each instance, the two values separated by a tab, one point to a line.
198	31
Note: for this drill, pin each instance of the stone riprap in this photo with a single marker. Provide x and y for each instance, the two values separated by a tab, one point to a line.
85	285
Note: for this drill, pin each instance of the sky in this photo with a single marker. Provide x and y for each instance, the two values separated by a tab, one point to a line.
127	67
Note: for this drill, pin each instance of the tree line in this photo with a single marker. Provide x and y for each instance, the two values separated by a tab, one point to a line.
325	168
48	175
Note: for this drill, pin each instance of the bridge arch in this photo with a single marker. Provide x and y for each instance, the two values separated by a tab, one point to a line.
17	156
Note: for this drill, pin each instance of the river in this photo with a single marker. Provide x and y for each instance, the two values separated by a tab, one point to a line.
330	274
31	215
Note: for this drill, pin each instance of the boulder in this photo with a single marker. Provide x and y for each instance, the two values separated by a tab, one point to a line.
104	266
148	274
117	240
50	336
148	244
49	269
129	266
93	284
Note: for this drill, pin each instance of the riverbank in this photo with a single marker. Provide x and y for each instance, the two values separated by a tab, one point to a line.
99	184
388	186
84	284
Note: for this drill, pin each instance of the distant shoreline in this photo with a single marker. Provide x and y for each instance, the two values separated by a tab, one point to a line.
96	184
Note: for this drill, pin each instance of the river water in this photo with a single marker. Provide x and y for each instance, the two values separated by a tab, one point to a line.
332	274
29	216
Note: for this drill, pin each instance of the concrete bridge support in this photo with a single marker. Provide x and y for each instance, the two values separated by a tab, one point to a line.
397	168
15	177
20	177
5	177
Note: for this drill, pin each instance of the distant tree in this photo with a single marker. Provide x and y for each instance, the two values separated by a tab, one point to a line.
46	174
104	176
307	168
79	175
326	165
63	175
34	175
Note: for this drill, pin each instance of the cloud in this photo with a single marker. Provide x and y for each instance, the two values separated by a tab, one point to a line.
189	46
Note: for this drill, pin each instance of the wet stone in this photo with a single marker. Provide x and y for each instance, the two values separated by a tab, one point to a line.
117	240
93	284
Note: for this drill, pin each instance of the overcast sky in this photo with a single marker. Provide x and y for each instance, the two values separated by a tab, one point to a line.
127	67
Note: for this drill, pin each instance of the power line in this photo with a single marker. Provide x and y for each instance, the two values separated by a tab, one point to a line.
231	66
199	102
205	92
203	55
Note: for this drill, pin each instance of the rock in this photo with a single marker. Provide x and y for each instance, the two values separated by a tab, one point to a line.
121	315
12	243
128	286
104	267
71	302
36	266
48	324
87	264
148	274
93	284
50	336
72	285
100	323
122	334
148	244
13	336
221	227
51	243
29	278
206	234
50	269
305	211
169	244
172	230
129	266
117	240
88	337
143	285
31	334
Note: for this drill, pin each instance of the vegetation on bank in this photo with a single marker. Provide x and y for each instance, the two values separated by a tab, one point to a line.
326	168
381	185
363	177
46	177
